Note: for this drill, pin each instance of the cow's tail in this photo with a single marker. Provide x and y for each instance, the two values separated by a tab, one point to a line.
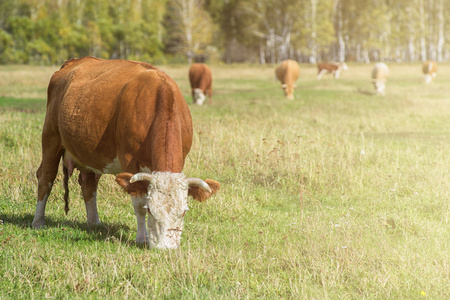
66	188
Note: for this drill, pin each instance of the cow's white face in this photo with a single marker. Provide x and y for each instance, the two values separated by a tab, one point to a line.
428	78
199	96
165	204
162	198
380	86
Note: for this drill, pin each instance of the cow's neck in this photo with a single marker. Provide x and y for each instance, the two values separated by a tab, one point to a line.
167	150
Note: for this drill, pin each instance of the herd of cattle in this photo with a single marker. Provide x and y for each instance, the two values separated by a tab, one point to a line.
130	119
288	72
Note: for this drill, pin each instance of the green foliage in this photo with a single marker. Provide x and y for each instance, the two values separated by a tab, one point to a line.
47	32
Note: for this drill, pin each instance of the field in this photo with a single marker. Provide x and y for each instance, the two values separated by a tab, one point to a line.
338	194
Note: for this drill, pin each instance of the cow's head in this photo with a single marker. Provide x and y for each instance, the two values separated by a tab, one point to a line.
163	196
288	90
343	66
380	86
428	78
199	96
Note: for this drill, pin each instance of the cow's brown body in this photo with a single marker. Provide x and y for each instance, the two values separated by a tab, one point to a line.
332	68
200	77
93	109
429	69
108	117
287	73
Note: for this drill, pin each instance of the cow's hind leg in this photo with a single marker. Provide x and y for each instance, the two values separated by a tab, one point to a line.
46	174
209	92
89	183
193	96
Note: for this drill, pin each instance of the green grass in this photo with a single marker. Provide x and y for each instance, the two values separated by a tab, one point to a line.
337	194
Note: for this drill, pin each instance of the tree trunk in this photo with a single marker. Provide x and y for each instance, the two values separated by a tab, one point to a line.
431	47
441	39
423	50
313	56
411	49
285	44
339	24
262	54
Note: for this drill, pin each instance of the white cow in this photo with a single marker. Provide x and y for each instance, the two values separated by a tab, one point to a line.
380	73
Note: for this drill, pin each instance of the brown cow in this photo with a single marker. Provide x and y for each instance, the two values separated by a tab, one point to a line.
200	78
287	73
113	116
334	68
429	68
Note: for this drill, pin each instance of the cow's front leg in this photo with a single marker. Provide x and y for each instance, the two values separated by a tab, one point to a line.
89	184
140	211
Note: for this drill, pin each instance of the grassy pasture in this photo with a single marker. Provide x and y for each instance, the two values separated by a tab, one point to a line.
337	194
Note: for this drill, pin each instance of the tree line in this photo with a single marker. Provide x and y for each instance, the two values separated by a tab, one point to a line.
255	31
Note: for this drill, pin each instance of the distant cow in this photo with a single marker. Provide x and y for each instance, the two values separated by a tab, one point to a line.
200	78
333	68
114	116
380	73
429	68
287	73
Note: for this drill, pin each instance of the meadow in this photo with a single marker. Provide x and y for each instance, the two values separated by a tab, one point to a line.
338	194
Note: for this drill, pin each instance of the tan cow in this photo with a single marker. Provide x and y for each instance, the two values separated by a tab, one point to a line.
380	73
287	73
115	116
333	68
429	69
200	77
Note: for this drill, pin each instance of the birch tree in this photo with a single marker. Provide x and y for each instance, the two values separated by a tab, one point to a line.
339	29
273	23
441	24
189	27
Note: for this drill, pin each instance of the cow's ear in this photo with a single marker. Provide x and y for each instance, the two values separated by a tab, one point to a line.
200	194
136	188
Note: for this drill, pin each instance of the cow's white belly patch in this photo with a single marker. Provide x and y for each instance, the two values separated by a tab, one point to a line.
110	168
113	168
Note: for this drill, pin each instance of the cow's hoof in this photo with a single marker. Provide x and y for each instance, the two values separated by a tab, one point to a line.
94	224
141	241
38	224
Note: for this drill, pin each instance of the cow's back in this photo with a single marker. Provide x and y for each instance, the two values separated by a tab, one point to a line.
200	76
429	67
380	71
105	110
288	71
327	66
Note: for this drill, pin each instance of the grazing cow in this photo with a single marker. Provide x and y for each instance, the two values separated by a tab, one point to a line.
380	73
334	68
287	73
200	78
430	70
114	116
